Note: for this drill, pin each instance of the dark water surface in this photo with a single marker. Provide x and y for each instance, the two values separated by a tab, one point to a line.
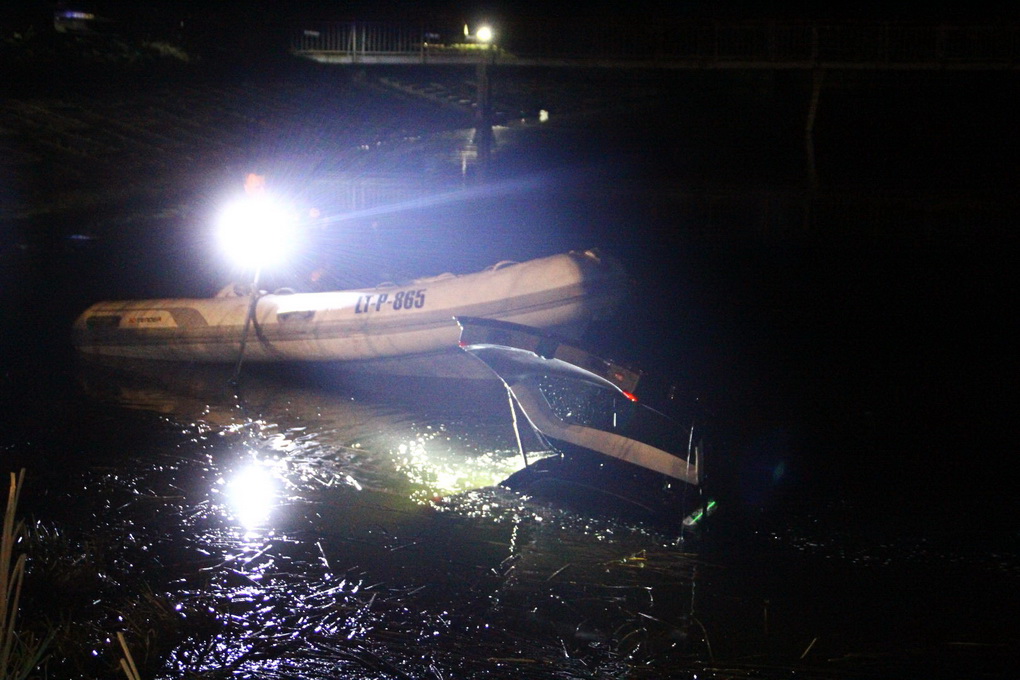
843	331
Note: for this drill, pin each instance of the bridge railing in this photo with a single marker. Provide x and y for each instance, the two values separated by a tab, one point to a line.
360	38
765	45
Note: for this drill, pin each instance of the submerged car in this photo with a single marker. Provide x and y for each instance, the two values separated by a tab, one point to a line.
608	448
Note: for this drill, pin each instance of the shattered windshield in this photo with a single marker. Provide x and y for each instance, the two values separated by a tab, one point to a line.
596	406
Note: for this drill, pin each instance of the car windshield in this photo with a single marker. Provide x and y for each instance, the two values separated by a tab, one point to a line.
601	407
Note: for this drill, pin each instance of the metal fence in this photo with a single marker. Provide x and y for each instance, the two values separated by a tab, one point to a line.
361	38
765	45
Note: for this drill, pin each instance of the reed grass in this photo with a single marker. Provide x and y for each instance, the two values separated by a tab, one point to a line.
20	653
127	662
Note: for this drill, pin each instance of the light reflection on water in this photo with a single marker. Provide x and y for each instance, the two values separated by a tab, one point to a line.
384	532
311	436
328	535
250	494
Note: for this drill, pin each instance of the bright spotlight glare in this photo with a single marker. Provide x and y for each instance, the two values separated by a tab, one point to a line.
484	34
250	494
257	231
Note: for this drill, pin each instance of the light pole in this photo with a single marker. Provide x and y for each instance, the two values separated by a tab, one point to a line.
483	115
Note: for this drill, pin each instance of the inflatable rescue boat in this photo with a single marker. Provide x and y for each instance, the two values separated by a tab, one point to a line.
393	329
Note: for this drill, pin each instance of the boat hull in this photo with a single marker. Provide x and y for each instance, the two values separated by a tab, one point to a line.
395	330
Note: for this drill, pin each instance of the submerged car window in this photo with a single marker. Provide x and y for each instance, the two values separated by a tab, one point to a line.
576	401
596	406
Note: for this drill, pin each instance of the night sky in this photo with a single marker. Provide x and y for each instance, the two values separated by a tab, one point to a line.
954	10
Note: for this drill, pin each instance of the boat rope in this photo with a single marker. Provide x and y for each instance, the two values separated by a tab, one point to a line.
253	299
